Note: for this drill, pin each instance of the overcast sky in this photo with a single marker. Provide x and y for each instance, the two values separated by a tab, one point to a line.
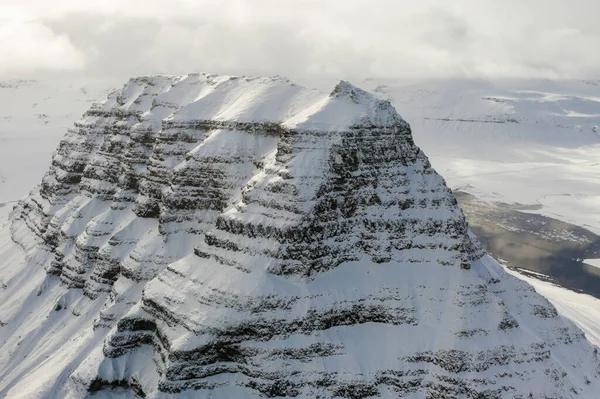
300	38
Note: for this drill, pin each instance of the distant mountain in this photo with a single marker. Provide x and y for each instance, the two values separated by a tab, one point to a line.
216	236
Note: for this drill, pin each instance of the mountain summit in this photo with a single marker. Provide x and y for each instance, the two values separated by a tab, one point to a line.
234	237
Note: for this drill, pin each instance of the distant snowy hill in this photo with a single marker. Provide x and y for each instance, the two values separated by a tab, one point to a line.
218	236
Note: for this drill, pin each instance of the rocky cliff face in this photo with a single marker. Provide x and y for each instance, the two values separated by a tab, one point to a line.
248	236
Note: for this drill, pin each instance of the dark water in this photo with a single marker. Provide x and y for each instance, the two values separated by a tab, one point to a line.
536	243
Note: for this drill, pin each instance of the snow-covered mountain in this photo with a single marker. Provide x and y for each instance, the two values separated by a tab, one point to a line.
215	236
520	148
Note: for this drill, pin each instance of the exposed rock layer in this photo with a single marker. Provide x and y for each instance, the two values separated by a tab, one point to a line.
251	236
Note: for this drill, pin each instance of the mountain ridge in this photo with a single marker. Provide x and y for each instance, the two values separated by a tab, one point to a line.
250	236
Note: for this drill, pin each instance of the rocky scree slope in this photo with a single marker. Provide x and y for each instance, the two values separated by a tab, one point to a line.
251	237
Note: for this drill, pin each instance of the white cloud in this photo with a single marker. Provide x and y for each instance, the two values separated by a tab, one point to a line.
29	46
300	38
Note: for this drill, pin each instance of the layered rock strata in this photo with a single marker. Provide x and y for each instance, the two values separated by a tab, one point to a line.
251	237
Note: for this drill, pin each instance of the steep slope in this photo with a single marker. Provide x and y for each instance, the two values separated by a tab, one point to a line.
519	147
220	236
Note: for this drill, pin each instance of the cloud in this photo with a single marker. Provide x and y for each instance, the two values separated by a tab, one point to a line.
29	46
310	38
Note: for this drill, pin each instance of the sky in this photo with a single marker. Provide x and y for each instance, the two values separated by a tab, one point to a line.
555	39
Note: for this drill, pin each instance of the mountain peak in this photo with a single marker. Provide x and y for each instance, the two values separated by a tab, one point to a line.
219	236
345	89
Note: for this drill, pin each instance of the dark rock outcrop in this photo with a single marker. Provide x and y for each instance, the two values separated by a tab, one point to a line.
253	237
